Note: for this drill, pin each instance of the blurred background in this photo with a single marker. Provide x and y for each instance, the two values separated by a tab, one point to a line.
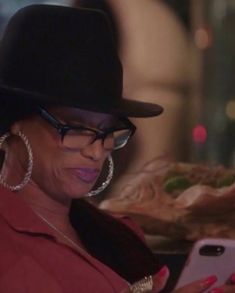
187	50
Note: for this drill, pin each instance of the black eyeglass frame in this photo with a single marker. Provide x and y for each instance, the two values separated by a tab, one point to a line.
99	134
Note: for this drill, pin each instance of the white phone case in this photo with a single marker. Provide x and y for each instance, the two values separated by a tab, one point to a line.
209	257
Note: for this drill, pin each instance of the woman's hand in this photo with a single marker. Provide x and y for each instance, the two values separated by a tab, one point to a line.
161	277
159	281
229	287
199	286
202	285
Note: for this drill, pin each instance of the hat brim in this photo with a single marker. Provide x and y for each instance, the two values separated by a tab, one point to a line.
125	107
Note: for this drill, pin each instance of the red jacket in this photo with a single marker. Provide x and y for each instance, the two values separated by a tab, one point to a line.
32	261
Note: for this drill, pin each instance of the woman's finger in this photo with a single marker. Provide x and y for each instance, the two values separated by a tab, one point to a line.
231	280
223	289
198	286
160	279
229	287
154	283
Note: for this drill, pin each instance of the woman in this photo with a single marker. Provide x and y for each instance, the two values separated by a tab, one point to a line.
61	118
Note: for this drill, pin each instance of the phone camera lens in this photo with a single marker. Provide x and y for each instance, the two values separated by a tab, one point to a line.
212	250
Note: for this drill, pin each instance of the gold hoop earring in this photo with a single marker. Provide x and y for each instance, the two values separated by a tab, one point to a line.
30	163
106	182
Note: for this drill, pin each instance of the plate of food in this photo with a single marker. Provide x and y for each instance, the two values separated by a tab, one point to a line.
178	201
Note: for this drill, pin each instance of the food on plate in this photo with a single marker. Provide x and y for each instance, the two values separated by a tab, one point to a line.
178	200
181	176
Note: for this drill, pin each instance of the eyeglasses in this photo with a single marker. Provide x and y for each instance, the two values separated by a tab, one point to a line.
78	137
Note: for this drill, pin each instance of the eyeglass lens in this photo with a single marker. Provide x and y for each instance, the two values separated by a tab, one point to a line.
78	139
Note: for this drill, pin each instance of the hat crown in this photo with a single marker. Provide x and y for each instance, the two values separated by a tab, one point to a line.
61	52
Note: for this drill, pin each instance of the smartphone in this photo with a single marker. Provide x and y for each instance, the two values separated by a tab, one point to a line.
209	257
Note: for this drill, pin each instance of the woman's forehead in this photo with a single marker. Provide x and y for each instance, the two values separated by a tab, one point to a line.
70	114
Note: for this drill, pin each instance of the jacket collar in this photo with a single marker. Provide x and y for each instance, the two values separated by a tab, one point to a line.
19	215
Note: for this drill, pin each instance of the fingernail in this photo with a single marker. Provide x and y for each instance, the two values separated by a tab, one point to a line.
162	273
232	279
209	281
216	290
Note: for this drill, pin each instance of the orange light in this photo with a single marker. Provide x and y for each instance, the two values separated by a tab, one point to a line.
230	109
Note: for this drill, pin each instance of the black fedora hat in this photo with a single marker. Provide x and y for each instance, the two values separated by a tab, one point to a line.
65	56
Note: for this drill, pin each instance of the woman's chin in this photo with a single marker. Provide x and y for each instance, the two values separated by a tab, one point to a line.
76	191
75	188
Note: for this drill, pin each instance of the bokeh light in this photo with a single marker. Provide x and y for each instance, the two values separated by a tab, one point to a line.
230	109
203	37
199	134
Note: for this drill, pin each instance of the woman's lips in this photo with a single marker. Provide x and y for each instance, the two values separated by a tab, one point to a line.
88	175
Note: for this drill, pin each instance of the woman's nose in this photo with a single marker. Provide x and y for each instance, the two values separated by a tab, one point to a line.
95	151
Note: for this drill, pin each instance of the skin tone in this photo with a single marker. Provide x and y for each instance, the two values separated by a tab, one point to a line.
60	175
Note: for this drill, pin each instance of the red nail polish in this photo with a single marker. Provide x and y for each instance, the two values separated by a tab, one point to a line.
209	281
217	290
232	279
163	271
